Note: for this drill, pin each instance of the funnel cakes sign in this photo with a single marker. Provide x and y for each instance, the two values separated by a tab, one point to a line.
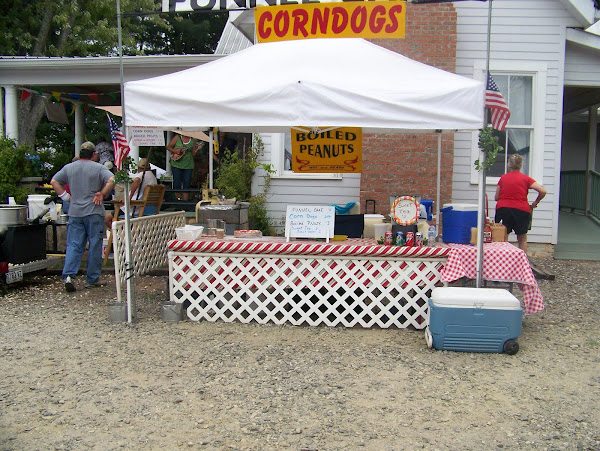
330	20
327	150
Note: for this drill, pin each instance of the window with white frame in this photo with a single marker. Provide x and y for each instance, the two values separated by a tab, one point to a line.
517	137
281	159
523	86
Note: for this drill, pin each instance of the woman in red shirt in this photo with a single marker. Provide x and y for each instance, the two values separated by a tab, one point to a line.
512	207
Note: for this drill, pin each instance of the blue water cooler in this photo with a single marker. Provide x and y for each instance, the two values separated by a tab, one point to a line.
457	220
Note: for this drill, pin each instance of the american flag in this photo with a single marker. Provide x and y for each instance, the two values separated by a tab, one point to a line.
120	146
495	102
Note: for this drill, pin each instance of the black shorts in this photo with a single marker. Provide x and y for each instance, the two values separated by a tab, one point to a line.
513	219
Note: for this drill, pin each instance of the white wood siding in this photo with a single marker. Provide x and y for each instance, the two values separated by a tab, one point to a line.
289	191
528	31
582	66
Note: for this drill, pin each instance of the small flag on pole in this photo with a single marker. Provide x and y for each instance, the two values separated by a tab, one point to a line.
120	146
495	102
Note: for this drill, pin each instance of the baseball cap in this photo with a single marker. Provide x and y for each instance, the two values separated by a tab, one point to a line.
88	146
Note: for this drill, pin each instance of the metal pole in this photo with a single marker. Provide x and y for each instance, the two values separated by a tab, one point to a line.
482	175
210	158
131	309
439	176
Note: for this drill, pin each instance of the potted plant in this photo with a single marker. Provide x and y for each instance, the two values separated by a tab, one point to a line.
123	177
235	180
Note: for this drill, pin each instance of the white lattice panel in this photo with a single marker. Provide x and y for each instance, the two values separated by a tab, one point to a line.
312	290
149	237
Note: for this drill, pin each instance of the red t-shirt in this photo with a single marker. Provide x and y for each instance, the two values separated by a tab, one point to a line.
514	187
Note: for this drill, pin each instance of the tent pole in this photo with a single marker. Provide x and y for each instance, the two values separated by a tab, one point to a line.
128	259
439	177
210	158
482	175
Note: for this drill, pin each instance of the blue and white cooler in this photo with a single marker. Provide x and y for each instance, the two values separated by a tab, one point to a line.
457	220
474	320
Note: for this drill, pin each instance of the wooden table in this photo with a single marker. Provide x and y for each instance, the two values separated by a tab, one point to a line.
502	262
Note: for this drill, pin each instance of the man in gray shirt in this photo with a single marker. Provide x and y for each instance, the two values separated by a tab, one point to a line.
89	183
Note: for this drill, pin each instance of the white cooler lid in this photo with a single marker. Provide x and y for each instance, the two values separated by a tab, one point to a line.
471	297
462	207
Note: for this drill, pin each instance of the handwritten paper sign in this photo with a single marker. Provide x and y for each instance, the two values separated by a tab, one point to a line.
144	136
405	210
302	221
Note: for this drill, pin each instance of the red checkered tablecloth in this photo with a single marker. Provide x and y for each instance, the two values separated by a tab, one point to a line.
501	262
277	245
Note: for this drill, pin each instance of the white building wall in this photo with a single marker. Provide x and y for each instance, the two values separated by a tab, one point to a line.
524	33
317	190
582	66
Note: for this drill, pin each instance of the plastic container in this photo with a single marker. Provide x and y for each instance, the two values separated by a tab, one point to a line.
428	204
380	229
422	227
189	232
117	312
431	236
35	203
457	220
474	320
172	313
370	221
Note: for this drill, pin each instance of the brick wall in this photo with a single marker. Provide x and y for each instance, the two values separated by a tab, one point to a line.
407	164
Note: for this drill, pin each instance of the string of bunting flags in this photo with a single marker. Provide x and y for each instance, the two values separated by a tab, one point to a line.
57	97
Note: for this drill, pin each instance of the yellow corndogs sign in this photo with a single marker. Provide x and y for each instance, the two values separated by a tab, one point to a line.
334	150
331	20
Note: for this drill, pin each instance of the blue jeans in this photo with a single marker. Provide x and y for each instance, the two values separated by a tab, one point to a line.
79	232
182	178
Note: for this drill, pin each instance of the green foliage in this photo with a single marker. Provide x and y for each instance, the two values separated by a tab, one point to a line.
123	175
235	176
235	173
16	162
74	27
89	28
489	145
234	179
185	33
257	215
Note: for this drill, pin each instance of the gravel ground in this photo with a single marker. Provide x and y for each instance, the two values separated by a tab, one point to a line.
70	380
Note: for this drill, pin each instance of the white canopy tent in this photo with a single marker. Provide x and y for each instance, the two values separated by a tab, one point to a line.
314	83
272	87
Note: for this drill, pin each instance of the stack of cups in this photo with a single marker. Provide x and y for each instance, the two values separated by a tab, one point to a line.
211	227
220	228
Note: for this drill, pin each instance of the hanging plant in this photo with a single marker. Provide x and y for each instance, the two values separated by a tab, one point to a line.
489	145
123	175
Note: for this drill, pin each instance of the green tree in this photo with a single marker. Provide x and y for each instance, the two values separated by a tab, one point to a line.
89	28
67	28
186	33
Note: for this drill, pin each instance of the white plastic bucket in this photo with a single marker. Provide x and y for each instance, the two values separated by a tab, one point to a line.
35	203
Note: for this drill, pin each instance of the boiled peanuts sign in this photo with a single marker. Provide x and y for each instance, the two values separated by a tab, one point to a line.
328	150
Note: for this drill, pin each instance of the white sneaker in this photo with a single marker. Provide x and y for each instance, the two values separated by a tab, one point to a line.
69	285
